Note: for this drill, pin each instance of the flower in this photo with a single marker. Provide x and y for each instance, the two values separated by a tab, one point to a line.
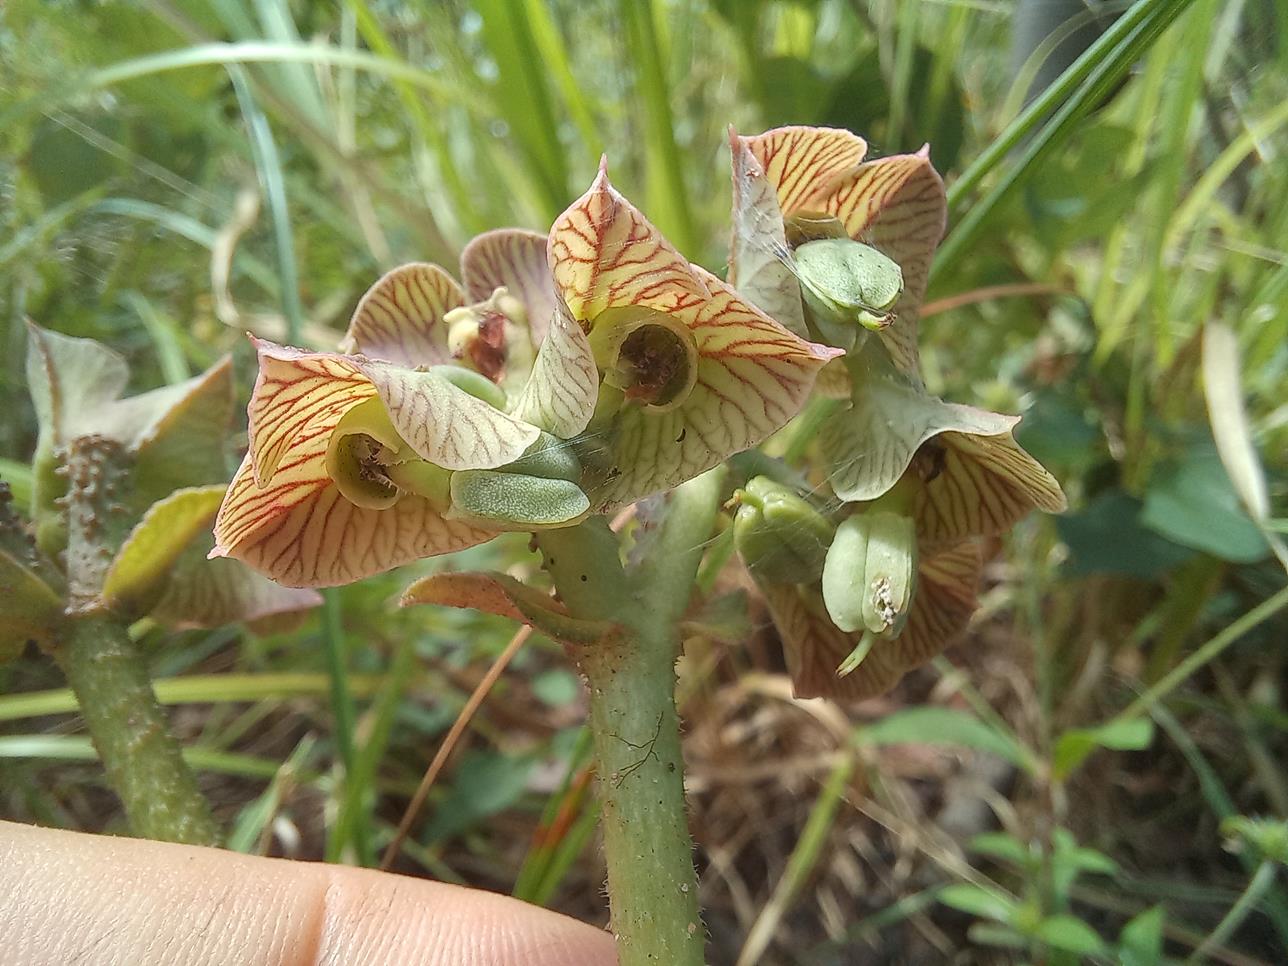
790	184
945	599
418	315
654	368
832	245
649	371
348	471
793	184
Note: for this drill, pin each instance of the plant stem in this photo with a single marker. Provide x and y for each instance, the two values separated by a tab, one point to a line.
1261	882
143	760
106	671
652	887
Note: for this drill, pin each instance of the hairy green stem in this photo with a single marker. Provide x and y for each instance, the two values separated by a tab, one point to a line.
142	758
104	668
652	886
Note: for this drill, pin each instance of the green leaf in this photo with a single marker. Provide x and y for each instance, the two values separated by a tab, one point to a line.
1073	747
1008	848
943	726
143	565
986	934
979	901
1070	934
1106	537
557	687
1192	502
487	783
211	593
1141	941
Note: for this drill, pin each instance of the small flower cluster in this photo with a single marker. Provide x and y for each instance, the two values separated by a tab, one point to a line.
568	375
839	250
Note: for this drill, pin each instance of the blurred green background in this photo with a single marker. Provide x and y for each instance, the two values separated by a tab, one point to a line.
173	174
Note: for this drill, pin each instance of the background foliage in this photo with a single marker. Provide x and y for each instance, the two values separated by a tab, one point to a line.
175	173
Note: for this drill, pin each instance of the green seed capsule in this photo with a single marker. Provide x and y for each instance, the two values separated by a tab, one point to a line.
846	284
870	573
515	501
780	537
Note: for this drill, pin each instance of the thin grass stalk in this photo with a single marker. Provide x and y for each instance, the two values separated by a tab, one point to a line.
1099	82
667	196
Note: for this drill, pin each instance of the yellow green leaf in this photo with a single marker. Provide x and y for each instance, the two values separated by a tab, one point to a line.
143	565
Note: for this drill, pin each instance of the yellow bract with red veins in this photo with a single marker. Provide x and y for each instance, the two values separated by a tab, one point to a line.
307	515
658	369
794	184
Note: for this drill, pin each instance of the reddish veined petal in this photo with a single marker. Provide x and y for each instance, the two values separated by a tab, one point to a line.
814	648
400	319
301	532
516	259
604	253
562	387
297	392
443	423
983	486
758	239
942	605
871	442
897	205
799	161
753	376
307	392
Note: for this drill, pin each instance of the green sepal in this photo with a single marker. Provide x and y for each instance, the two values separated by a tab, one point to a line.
515	501
550	458
843	574
780	536
500	594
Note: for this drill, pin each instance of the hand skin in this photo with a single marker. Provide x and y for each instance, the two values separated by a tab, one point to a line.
67	897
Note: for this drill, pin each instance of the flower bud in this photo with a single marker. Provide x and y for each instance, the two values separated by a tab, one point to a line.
780	536
846	284
870	573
